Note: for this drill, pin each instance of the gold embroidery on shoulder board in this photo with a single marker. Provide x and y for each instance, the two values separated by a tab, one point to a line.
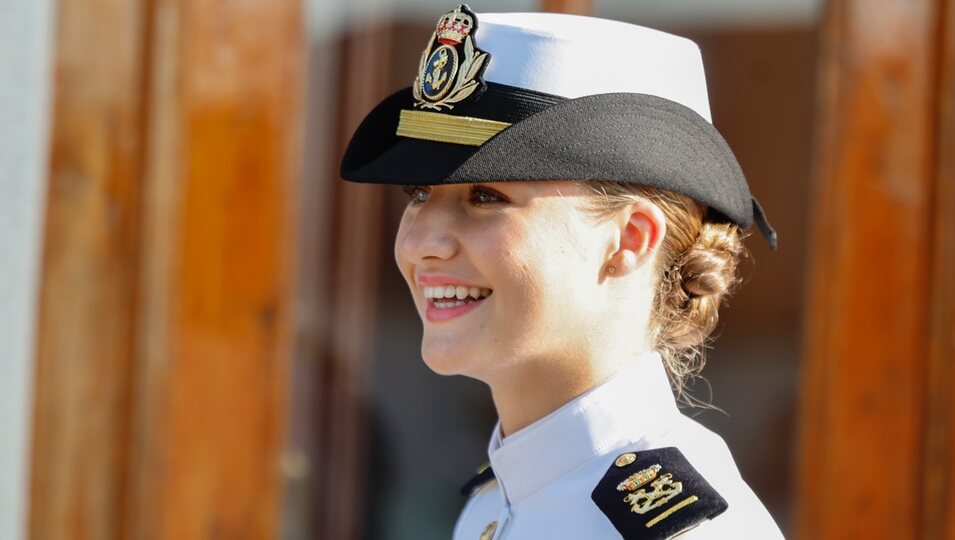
669	511
664	489
639	478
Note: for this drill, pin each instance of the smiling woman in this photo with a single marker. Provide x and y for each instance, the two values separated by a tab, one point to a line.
573	257
505	240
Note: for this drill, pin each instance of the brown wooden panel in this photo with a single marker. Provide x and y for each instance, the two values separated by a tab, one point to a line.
578	7
226	101
939	466
165	312
872	229
88	284
354	232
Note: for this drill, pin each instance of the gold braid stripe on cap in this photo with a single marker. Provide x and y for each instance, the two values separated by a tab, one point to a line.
441	127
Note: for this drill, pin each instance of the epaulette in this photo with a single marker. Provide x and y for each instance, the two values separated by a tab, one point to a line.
484	475
655	494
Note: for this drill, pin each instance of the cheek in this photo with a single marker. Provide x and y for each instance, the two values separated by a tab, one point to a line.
547	268
400	235
563	273
402	260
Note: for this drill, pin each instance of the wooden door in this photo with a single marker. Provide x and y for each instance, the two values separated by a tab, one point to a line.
877	456
164	329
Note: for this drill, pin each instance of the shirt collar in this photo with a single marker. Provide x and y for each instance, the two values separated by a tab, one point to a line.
634	404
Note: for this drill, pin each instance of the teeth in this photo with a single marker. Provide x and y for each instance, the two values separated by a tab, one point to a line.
455	292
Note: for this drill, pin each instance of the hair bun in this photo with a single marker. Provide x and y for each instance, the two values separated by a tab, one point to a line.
695	285
708	267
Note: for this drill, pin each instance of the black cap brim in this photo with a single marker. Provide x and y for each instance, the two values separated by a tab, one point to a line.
621	137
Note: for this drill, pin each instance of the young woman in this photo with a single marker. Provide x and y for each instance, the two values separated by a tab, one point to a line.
574	221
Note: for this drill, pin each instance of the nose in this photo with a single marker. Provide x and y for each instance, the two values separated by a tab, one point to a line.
426	235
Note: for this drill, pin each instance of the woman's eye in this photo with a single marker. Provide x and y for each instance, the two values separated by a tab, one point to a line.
486	196
417	194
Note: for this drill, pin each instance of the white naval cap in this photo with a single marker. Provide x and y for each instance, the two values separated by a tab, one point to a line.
575	56
543	96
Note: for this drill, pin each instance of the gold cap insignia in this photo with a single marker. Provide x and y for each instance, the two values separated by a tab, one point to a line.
451	67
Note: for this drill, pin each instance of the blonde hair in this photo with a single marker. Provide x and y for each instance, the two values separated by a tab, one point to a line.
696	270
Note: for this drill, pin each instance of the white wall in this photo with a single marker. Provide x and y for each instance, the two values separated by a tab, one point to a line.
682	13
26	46
711	13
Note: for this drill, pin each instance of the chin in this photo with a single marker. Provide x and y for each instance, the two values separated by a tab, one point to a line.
446	358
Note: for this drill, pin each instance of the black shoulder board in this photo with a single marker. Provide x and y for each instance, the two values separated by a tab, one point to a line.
655	494
484	475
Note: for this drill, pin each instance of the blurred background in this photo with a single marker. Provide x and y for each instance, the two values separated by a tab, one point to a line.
204	335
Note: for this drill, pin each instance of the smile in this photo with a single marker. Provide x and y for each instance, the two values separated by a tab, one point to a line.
450	301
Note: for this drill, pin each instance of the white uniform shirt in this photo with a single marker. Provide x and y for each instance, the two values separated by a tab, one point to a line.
545	473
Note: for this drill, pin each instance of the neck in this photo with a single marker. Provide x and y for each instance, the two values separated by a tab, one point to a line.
524	395
530	388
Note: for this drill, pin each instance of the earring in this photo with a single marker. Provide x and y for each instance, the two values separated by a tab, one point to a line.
611	270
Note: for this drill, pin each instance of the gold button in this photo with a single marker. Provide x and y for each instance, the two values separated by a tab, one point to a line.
488	532
625	459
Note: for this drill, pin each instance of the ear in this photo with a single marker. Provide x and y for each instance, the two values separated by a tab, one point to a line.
642	228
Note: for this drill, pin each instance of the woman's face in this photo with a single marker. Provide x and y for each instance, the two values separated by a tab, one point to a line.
504	274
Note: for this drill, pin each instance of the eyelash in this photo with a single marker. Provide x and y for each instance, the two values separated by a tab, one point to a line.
496	197
415	192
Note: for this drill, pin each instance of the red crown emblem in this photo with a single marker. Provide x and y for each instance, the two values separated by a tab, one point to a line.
453	27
